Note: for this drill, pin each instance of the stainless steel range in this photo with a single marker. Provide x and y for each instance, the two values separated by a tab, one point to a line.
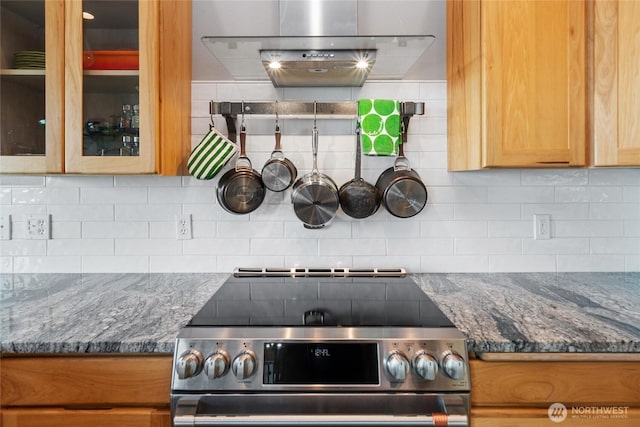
326	347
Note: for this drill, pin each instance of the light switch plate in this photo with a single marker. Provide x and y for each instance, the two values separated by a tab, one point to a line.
541	226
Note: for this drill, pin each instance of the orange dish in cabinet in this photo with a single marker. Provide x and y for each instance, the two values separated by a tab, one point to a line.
110	60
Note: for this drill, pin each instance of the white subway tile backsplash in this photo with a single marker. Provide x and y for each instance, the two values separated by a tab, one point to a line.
431	229
255	230
631	193
96	247
631	228
487	178
18	247
555	177
190	264
569	245
455	264
97	212
148	247
629	211
115	264
137	212
416	246
283	247
587	228
478	221
21	180
112	229
351	247
614	176
615	245
520	194
45	195
486	246
505	211
79	181
511	229
525	263
591	263
573	211
235	247
66	230
6	267
48	264
181	195
118	196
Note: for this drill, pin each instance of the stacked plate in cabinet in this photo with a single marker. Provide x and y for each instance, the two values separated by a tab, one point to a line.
29	60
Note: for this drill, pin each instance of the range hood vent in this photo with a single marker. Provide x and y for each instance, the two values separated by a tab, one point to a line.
318	61
318	45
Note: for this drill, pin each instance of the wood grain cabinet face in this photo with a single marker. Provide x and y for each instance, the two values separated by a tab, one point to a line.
616	83
516	76
89	76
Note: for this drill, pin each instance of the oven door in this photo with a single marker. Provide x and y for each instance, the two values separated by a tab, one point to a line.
321	409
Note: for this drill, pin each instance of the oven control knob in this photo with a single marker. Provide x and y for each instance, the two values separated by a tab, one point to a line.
397	366
216	365
244	365
189	364
453	365
425	365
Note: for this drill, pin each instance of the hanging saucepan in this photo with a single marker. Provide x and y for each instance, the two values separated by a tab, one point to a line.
358	198
279	172
240	190
403	192
315	195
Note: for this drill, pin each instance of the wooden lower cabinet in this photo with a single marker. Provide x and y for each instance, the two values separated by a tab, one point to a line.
133	391
109	417
520	393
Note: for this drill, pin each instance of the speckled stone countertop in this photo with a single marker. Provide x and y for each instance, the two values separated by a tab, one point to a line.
142	313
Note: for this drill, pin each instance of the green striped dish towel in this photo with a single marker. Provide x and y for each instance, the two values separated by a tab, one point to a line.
380	123
210	155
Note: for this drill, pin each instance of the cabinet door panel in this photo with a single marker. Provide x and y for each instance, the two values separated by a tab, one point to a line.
55	417
617	83
533	83
100	81
31	95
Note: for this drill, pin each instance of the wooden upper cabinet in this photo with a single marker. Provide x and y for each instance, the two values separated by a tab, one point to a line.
136	54
616	126
517	77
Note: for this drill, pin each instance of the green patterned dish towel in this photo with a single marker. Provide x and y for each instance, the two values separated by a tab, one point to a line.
210	155
380	123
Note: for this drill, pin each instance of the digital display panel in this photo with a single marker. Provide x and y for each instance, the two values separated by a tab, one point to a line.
321	363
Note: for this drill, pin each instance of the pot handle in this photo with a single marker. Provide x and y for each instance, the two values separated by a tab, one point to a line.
402	163
243	161
314	140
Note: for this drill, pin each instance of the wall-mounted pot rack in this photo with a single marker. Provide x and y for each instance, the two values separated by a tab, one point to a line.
321	110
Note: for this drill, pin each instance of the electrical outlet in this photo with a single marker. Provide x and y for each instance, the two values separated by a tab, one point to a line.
183	226
37	226
541	226
5	227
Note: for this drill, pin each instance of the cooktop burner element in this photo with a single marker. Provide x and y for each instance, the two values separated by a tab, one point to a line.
332	347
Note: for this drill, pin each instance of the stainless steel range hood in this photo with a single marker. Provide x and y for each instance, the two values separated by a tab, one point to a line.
318	45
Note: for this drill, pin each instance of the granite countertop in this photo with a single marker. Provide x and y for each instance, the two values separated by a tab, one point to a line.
142	313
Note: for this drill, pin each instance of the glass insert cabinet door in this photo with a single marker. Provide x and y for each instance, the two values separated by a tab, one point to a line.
31	85
109	86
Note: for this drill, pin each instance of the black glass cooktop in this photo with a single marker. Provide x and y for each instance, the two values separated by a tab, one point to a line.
397	302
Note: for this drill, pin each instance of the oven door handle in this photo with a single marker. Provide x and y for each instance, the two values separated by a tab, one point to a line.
186	414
